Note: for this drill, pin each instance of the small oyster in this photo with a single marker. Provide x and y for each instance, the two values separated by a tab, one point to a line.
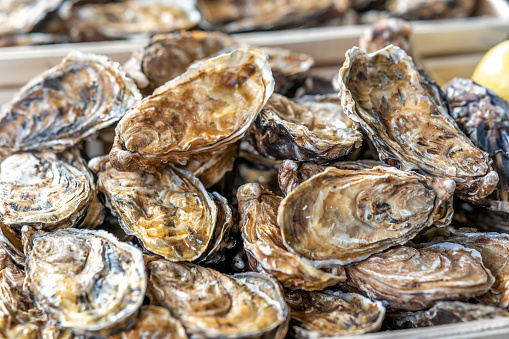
87	281
341	216
445	312
430	9
167	56
154	322
286	130
406	117
386	32
214	305
66	104
332	314
264	244
196	114
22	16
169	211
414	279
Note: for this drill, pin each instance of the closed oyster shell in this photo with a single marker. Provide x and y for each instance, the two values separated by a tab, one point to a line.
196	114
66	104
342	216
154	322
332	314
406	117
214	305
415	279
264	243
286	130
87	281
445	312
430	9
22	16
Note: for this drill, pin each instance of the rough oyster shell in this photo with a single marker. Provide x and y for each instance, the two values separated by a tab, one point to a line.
414	279
167	56
214	305
286	130
264	244
218	98
87	281
325	105
341	216
66	104
430	9
332	314
386	32
22	16
406	117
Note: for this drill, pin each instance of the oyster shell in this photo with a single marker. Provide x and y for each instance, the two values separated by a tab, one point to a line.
332	314
22	16
325	105
264	244
445	312
386	32
154	322
341	216
66	104
285	130
87	281
214	305
430	9
406	117
167	56
254	168
414	279
196	114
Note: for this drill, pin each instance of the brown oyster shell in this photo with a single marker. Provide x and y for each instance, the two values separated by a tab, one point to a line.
342	216
167	56
154	322
332	314
66	104
386	32
406	117
414	279
286	130
22	16
87	281
217	98
264	244
325	105
214	305
430	9
254	168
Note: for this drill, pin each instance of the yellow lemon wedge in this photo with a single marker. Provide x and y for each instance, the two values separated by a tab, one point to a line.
493	70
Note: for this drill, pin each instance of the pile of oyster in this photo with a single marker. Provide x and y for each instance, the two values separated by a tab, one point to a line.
244	197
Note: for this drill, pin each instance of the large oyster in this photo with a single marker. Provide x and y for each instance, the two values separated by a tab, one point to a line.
332	314
264	244
214	305
167	56
414	279
87	281
286	130
169	211
406	117
343	216
66	104
21	16
196	114
430	9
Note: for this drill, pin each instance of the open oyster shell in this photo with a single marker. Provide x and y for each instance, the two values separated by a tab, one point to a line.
406	117
214	305
430	9
66	104
196	114
264	245
332	314
341	216
414	279
87	281
286	130
22	16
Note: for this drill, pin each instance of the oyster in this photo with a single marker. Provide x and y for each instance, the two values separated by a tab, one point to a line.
254	168
430	9
332	314
21	16
264	244
406	117
167	56
154	322
87	281
386	32
325	105
445	312
169	211
214	305
286	130
341	216
196	114
414	279
66	104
